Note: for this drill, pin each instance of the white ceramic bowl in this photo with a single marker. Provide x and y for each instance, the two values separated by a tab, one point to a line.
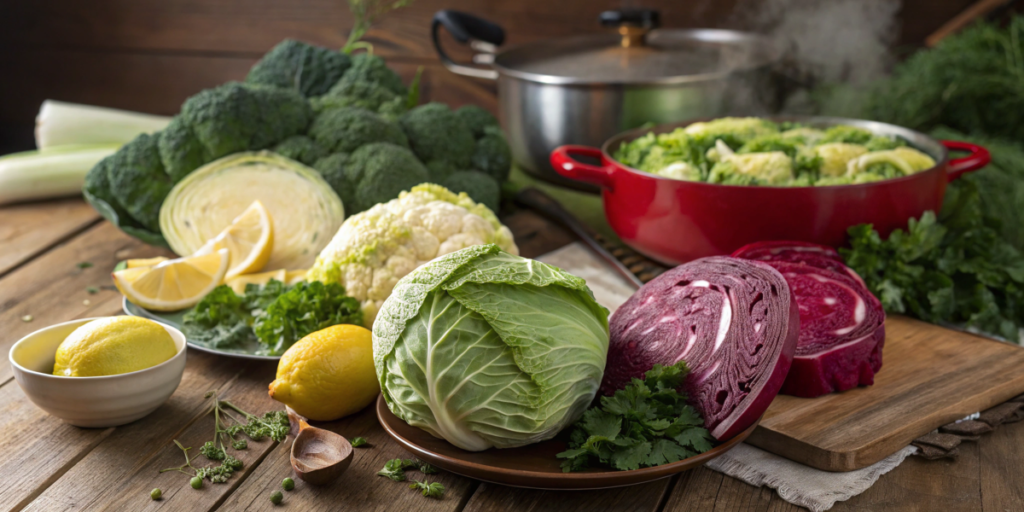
105	401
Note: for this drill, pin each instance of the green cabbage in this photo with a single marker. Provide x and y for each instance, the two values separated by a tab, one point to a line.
486	349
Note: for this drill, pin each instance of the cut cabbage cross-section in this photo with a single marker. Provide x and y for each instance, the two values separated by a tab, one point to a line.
304	210
733	321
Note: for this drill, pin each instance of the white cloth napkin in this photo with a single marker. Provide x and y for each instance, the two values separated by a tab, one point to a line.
796	483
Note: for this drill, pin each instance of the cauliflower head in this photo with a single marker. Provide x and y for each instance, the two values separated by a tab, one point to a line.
376	248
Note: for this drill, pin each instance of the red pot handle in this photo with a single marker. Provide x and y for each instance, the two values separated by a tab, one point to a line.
566	165
979	157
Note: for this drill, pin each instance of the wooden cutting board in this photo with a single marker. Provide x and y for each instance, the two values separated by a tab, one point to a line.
930	376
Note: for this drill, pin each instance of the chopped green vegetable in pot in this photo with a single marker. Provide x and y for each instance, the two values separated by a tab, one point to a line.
648	423
755	151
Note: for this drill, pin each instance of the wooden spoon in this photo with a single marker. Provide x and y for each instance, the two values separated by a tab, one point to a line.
319	456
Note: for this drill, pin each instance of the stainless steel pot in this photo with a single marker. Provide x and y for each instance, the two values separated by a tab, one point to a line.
585	89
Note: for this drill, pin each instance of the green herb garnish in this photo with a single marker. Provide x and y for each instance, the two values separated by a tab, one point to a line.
395	469
359	442
646	424
429	489
82	265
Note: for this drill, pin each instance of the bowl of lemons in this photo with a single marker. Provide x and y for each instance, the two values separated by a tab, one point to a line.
100	372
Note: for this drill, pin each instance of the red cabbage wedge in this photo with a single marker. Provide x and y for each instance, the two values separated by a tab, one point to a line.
733	321
842	330
814	255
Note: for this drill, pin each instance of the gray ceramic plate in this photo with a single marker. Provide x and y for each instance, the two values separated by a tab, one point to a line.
174	319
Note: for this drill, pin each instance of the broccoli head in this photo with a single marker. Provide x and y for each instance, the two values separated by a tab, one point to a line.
492	155
343	130
300	148
333	169
242	117
311	70
477	185
181	152
374	173
476	119
436	133
357	93
137	180
370	69
439	170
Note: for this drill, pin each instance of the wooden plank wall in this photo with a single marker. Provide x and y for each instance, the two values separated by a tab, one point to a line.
149	55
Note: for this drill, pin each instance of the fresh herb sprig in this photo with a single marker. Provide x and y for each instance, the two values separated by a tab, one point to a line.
648	423
429	489
395	469
227	427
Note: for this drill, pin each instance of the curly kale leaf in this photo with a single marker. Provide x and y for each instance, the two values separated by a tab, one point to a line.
305	308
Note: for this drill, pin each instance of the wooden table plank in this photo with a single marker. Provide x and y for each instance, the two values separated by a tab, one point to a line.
29	229
52	289
639	498
359	488
1001	454
103	471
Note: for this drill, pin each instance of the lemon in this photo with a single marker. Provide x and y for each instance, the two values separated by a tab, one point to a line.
110	346
249	241
173	284
328	374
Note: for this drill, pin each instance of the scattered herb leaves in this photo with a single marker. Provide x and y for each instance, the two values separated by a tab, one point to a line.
648	423
395	468
82	265
92	290
359	442
429	489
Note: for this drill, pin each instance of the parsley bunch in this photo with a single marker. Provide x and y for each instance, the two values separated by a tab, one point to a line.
953	269
645	424
274	315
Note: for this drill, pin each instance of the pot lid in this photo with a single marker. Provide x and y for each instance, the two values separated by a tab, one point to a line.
636	52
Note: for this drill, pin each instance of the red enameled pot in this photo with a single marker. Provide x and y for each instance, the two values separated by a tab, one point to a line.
676	221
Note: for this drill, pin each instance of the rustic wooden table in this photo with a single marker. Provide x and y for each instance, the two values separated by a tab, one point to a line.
48	465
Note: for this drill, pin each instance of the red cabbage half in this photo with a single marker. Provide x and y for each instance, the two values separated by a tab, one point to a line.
842	330
814	255
733	321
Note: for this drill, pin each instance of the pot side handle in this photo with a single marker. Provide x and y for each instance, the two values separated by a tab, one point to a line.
977	158
564	164
470	30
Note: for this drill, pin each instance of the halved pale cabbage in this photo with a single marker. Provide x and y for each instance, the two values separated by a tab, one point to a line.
305	211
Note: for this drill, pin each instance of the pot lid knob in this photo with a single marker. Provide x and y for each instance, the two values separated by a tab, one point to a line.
632	24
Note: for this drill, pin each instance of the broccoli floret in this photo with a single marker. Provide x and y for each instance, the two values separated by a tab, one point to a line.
97	187
436	133
242	117
332	168
371	69
138	180
479	186
181	152
311	70
300	148
369	95
342	130
376	173
439	170
492	155
476	119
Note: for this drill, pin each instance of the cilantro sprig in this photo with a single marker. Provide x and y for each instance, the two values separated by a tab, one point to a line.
648	423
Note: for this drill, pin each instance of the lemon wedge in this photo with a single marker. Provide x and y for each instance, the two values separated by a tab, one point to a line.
173	284
249	241
145	262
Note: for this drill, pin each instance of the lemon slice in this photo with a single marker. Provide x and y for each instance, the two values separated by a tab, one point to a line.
173	284
145	262
249	241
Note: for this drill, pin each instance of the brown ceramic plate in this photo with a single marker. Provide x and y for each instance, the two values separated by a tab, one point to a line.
533	466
